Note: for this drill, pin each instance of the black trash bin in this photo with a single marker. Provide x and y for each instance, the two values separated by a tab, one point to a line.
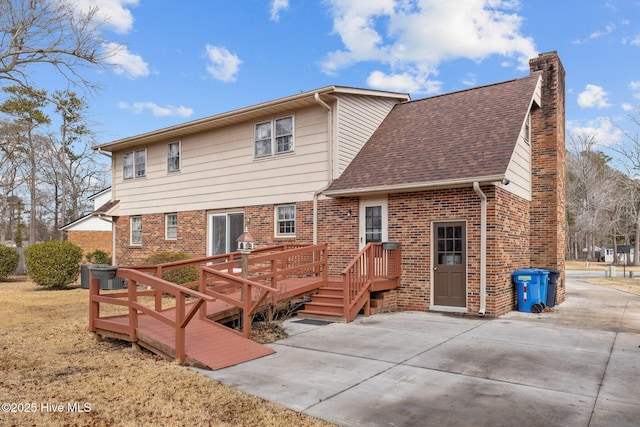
552	287
84	276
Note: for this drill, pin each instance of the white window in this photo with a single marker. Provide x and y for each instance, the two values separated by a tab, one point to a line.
171	226
527	129
274	136
286	220
173	157
134	164
136	230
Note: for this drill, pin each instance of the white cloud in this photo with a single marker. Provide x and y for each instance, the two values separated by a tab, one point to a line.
404	82
602	129
593	96
156	110
223	65
636	41
126	63
470	79
627	107
115	13
634	85
597	34
414	38
278	6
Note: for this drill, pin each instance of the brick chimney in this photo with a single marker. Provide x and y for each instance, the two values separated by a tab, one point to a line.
547	215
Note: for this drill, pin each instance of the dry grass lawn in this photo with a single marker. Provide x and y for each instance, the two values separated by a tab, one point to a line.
49	363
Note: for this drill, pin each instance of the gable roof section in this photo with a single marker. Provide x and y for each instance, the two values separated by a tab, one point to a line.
254	112
442	141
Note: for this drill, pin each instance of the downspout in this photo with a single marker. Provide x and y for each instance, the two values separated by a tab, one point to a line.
316	96
483	248
102	217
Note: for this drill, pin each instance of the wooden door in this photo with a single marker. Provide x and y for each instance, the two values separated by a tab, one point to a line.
450	274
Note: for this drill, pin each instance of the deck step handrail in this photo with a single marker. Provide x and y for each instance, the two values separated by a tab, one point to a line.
178	321
373	262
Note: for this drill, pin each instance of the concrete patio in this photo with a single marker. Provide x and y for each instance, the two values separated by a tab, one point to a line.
578	365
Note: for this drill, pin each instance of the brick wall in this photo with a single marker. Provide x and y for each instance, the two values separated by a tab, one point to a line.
89	241
410	218
192	227
508	248
548	223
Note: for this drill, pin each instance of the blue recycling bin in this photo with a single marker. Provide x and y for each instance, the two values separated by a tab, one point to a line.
531	289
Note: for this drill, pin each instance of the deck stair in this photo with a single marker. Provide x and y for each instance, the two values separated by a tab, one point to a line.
327	304
374	270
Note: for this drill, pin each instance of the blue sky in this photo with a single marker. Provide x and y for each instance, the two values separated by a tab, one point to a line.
184	60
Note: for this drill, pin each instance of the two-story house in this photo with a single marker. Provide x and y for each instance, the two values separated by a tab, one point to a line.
470	183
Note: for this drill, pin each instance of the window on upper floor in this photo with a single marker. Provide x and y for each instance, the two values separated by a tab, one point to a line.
527	129
275	136
134	164
173	157
136	230
286	221
171	226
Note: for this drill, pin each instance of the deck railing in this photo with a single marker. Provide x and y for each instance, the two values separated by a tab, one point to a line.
374	262
223	281
219	279
177	319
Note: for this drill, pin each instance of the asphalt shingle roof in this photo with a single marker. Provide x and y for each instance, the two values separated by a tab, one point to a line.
466	134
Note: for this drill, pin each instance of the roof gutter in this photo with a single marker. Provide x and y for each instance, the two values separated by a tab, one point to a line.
483	248
417	186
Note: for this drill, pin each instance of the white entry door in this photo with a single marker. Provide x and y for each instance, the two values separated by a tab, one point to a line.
373	221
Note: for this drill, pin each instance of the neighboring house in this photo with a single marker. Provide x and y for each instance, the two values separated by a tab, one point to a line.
624	254
471	184
93	231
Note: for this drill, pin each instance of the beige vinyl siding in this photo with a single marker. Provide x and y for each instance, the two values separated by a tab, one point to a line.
358	117
519	169
218	170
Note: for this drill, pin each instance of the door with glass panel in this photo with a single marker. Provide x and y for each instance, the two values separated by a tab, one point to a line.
449	269
224	230
373	221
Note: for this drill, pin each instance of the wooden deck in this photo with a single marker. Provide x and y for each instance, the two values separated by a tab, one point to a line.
189	332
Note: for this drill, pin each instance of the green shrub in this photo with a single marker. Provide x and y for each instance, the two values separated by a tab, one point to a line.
178	276
53	264
98	257
9	259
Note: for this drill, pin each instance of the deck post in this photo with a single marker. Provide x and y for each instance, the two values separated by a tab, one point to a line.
158	293
132	294
180	331
94	306
246	310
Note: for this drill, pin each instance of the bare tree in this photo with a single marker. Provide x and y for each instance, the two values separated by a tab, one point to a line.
591	204
11	160
51	33
26	105
629	151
